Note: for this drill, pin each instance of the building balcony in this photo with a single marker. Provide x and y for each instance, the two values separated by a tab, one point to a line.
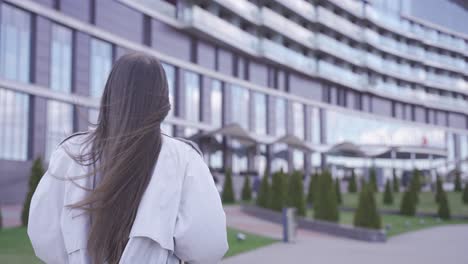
300	7
338	23
336	48
288	57
209	24
243	8
340	75
390	22
286	27
353	7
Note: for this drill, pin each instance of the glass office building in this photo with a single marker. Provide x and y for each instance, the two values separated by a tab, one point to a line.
277	84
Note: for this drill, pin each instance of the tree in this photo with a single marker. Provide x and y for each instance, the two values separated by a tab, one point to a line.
388	195
415	185
366	214
339	199
444	209
396	183
352	185
373	179
228	192
408	203
246	190
37	171
439	189
326	205
296	193
458	184
465	194
263	198
278	191
312	190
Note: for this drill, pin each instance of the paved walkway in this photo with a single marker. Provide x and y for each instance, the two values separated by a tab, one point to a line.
445	244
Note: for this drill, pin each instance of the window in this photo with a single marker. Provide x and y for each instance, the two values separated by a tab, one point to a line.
59	115
316	128
99	69
260	113
240	108
192	100
298	115
216	103
192	96
280	119
170	76
14	65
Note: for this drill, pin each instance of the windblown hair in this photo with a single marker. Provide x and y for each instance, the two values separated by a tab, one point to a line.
122	151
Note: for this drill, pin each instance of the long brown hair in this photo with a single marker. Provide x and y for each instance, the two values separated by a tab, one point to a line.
122	151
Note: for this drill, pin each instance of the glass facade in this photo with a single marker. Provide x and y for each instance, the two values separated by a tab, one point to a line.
216	97
171	78
240	111
280	117
298	120
59	114
99	69
192	96
15	41
260	105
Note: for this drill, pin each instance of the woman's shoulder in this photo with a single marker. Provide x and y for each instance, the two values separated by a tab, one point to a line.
182	145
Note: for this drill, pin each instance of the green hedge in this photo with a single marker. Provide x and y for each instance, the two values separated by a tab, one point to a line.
296	193
366	213
37	171
246	190
228	191
326	204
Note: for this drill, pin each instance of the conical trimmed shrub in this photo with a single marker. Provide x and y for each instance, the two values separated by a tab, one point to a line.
279	192
326	205
246	190
465	194
263	197
352	185
366	214
373	179
296	193
228	191
415	185
339	199
439	189
37	171
458	184
312	189
408	203
444	209
388	195
396	183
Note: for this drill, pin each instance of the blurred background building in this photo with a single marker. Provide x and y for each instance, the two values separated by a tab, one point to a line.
259	84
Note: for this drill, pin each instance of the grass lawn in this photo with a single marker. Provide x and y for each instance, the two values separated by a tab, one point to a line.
16	248
426	202
250	243
399	223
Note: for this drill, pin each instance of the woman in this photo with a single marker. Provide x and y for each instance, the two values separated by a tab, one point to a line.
124	192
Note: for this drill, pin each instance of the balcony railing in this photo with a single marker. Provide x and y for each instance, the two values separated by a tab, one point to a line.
286	56
301	7
243	8
338	23
286	27
340	49
354	7
340	75
221	29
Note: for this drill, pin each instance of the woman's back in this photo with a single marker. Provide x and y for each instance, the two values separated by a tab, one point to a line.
123	192
172	218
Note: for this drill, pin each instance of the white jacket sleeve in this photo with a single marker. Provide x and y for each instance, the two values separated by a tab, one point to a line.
200	231
44	225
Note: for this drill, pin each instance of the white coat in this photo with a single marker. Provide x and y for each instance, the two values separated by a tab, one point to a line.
180	216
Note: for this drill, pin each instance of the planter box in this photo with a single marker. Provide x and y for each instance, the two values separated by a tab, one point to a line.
363	234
